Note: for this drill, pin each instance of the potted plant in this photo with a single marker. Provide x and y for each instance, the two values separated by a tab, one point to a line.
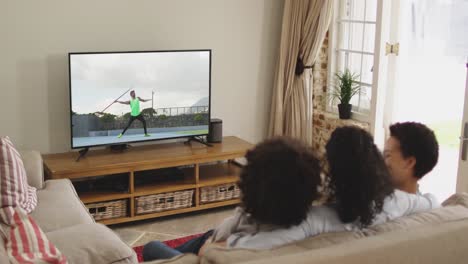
346	87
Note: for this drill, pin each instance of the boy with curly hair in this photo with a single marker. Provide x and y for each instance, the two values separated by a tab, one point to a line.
278	185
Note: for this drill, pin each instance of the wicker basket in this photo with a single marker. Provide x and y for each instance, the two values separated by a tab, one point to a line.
219	193
163	202
107	210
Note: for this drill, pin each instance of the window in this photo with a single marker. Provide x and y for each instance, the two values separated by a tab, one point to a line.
352	46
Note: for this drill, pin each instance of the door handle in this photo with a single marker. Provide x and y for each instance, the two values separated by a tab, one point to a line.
464	140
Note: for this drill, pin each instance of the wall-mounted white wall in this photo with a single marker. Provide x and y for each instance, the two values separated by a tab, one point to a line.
36	36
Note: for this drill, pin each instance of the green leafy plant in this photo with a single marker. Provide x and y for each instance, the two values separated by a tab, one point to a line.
198	117
346	86
107	118
150	112
127	115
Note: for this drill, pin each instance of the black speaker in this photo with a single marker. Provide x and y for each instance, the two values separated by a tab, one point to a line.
216	131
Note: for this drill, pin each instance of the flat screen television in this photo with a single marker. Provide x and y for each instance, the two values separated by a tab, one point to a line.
125	97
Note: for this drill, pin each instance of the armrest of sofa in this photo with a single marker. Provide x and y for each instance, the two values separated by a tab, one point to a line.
34	168
188	258
91	243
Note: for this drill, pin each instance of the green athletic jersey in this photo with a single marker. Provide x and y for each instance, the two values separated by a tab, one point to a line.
135	106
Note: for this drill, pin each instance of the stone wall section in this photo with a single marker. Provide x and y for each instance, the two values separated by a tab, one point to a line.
324	123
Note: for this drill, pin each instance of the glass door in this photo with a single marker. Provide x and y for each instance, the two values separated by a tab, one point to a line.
426	80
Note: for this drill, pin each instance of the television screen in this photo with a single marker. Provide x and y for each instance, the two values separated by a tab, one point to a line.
123	97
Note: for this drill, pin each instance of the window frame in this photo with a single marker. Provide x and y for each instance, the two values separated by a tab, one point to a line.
333	42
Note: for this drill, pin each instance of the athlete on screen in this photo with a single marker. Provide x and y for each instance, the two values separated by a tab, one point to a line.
135	112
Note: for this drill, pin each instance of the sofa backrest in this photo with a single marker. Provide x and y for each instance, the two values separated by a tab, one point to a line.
442	243
32	161
222	255
454	210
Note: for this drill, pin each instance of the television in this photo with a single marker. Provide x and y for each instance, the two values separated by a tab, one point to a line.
125	97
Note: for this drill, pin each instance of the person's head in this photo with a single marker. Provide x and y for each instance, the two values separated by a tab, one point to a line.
410	152
279	182
358	178
132	94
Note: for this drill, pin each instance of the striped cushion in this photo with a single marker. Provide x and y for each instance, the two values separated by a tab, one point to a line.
24	240
14	187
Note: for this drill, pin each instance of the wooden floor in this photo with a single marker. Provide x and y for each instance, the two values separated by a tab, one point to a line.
171	227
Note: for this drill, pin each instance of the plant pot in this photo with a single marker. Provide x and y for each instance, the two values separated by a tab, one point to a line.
344	111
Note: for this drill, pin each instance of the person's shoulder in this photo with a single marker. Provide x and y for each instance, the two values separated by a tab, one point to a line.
396	199
321	219
323	209
324	212
239	210
399	196
431	197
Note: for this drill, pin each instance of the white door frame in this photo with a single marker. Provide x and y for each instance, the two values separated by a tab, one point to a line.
379	85
462	176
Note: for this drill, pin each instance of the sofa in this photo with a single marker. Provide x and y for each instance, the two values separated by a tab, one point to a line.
66	222
436	236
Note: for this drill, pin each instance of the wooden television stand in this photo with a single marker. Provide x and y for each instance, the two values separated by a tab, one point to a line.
202	166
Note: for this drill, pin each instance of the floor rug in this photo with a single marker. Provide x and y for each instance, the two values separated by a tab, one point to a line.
172	243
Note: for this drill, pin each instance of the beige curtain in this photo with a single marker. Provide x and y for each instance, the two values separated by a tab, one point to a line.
305	24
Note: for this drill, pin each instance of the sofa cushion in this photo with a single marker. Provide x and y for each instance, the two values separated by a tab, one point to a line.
181	259
435	216
14	187
33	165
329	239
215	254
59	206
444	243
457	199
92	243
24	241
455	208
